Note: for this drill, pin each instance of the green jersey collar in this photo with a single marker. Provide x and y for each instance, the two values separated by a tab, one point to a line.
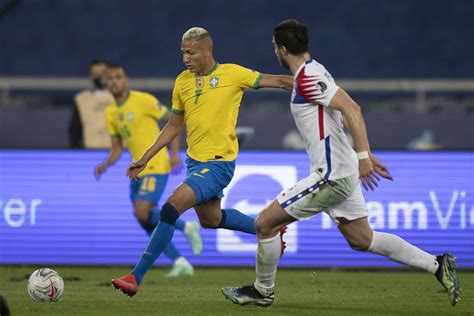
210	71
121	103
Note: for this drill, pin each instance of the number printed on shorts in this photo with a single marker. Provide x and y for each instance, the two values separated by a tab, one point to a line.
148	184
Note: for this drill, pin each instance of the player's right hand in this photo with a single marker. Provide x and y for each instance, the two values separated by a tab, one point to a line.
99	170
135	168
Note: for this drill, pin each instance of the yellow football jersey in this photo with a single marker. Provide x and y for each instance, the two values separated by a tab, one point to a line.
210	105
135	121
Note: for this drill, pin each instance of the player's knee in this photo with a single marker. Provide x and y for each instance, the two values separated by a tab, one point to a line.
169	214
182	198
263	228
142	215
209	223
259	225
173	199
360	244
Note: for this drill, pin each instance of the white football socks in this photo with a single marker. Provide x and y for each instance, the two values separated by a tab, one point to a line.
268	256
399	250
187	227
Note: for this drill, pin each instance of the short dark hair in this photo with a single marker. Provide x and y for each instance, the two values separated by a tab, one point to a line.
117	66
293	35
98	61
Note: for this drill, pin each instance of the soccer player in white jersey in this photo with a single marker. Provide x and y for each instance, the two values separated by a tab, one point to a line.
319	108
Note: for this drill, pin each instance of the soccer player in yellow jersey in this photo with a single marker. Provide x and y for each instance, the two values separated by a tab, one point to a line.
206	97
133	118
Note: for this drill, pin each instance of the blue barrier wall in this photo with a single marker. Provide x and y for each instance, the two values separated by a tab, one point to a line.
359	38
52	211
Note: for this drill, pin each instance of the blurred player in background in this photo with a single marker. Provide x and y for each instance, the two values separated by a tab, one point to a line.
319	107
207	97
133	117
87	127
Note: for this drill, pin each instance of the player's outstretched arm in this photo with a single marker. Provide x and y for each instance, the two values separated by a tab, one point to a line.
276	81
379	168
174	159
114	154
169	132
369	165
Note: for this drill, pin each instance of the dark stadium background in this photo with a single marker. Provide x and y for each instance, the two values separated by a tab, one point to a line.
355	40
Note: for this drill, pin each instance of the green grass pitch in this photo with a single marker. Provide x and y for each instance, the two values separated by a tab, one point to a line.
298	292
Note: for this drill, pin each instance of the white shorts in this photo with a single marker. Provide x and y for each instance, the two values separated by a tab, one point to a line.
339	198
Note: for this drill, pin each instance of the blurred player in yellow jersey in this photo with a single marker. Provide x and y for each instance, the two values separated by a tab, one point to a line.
206	97
133	118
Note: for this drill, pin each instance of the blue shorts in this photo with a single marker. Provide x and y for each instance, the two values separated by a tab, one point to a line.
208	179
150	187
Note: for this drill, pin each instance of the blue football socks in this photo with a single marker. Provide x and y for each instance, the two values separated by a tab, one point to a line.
179	225
159	240
155	218
170	251
235	220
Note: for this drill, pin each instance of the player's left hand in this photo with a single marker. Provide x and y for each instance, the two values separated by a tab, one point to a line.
368	176
380	168
176	164
369	171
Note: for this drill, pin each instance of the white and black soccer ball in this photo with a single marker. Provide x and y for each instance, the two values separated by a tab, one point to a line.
45	285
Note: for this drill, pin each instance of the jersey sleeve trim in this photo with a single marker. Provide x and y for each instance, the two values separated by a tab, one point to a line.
331	95
257	81
177	111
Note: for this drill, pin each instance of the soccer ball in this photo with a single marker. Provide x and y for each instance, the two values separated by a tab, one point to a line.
45	285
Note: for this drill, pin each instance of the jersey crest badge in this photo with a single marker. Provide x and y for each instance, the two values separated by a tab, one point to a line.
214	82
130	116
199	83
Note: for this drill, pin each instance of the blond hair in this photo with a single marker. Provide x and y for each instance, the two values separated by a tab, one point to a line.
196	34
